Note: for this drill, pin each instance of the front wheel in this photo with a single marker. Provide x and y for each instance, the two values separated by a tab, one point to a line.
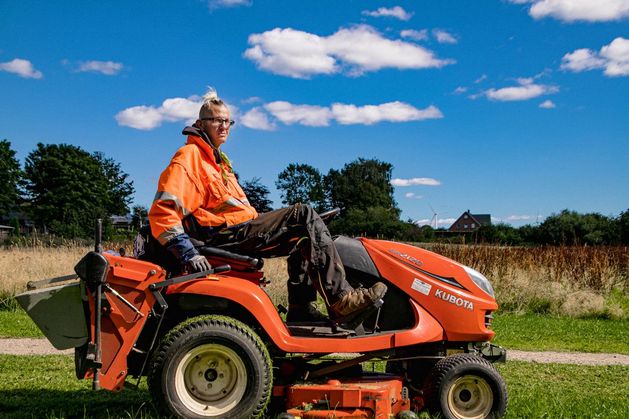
211	367
466	386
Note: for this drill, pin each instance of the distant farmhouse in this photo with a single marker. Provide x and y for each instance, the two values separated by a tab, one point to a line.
5	232
122	222
469	222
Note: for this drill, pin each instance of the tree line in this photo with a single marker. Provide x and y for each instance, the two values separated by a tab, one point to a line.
363	191
63	189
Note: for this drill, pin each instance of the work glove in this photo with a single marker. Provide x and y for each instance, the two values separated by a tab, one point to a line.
198	263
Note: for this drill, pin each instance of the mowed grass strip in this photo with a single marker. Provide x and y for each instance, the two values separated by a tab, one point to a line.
17	324
547	333
45	386
566	391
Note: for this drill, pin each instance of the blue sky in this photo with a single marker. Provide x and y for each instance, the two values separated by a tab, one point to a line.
516	108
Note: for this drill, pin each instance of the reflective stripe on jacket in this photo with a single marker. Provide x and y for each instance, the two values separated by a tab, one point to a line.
195	185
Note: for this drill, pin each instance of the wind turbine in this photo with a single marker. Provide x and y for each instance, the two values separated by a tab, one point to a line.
434	220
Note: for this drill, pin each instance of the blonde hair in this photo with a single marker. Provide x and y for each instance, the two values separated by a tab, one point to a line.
210	98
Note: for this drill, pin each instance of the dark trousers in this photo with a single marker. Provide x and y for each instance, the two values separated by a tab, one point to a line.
299	233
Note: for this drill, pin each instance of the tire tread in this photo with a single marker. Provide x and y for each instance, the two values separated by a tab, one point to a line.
443	367
189	326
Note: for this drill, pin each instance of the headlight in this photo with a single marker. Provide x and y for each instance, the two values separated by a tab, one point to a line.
480	280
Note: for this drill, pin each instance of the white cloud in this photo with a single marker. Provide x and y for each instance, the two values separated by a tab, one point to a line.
460	90
264	117
256	118
617	56
348	114
614	58
150	117
354	50
547	104
217	4
412	195
578	10
526	90
22	68
391	112
252	99
481	79
396	12
140	117
309	115
109	68
416	35
440	221
519	217
444	37
581	60
425	181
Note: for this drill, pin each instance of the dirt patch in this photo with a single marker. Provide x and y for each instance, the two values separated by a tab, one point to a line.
581	358
26	346
43	347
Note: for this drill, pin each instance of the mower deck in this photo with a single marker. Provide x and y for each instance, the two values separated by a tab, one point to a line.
365	397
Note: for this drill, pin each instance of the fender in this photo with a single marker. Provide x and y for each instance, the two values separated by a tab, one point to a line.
253	299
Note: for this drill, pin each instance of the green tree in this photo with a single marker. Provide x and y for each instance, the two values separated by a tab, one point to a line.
623	227
15	223
500	233
572	228
69	188
370	222
363	191
119	189
10	175
361	184
257	194
301	183
411	232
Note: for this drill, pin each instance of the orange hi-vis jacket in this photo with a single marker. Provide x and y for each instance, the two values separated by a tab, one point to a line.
195	184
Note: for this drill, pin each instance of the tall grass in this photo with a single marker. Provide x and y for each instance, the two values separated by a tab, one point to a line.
33	259
571	281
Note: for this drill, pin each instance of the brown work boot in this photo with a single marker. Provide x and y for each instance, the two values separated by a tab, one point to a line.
357	300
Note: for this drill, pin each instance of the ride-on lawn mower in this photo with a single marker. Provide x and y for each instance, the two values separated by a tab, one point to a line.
213	345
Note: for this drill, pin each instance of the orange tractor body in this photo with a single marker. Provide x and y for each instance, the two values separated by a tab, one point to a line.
436	314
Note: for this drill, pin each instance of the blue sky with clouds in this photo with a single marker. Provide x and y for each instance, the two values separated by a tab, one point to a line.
517	108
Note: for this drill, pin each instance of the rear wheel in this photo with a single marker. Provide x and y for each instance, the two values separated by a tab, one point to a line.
466	386
211	367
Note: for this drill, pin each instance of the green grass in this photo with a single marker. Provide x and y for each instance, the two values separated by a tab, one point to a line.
17	324
566	391
545	333
45	386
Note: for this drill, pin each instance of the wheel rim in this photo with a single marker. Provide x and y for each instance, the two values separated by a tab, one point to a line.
211	379
470	397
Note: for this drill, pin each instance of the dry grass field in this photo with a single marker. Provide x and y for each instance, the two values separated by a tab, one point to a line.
572	281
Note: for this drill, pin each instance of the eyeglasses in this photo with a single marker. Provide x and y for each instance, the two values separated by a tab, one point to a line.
220	121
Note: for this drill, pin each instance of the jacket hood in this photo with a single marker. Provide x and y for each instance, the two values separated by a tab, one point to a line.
196	132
